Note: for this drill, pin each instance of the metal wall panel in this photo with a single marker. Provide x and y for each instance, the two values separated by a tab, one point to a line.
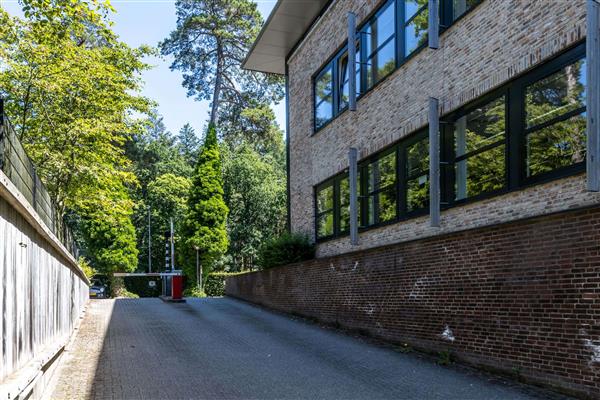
41	298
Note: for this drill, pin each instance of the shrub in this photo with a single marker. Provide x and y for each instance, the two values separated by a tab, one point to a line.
193	292
87	269
286	249
214	284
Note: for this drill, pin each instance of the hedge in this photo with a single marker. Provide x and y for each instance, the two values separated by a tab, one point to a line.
214	283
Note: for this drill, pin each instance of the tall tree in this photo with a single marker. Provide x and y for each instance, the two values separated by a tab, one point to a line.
254	187
204	225
188	144
71	90
164	176
209	44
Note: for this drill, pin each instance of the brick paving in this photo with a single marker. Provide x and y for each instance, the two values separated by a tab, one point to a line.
226	349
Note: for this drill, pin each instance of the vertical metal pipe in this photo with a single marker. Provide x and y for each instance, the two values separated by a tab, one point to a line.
351	61
434	162
197	268
172	246
593	94
149	243
353	177
434	24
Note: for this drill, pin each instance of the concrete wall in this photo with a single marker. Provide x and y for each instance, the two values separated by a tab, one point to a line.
42	295
520	297
494	43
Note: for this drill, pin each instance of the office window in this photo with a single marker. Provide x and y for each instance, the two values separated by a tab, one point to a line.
416	18
460	7
380	44
479	147
344	205
417	174
344	81
379	183
325	210
324	97
555	120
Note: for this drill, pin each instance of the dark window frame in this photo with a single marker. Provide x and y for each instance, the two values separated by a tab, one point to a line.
445	12
334	93
568	57
448	152
363	192
334	182
514	142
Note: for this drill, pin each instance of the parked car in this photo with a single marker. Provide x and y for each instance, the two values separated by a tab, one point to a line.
99	288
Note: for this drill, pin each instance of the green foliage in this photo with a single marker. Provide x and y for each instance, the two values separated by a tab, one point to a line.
445	357
286	249
165	178
253	126
214	283
193	291
108	230
188	144
87	269
204	225
254	187
118	288
208	44
72	89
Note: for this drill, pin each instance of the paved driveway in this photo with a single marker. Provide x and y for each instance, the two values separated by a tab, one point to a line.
227	349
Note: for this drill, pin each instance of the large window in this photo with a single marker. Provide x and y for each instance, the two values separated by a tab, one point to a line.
415	26
530	130
378	190
479	149
416	175
379	38
460	7
344	80
333	207
325	210
396	31
555	121
324	97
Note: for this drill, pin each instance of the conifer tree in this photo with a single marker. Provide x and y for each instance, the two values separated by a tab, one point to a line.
205	222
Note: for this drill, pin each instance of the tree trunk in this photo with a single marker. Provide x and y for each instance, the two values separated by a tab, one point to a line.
218	82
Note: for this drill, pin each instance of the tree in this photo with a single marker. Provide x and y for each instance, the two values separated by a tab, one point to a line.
188	144
255	126
210	41
205	222
164	176
254	187
155	152
107	228
71	90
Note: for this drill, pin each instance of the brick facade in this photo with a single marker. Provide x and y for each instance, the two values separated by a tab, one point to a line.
522	297
494	43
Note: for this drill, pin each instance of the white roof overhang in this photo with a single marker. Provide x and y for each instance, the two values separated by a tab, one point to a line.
284	28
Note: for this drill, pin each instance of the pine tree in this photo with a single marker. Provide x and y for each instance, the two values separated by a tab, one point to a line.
205	222
188	144
208	44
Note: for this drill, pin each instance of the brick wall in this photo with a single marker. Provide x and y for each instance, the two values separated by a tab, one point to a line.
496	42
521	296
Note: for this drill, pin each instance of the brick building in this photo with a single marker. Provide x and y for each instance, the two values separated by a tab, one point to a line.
511	266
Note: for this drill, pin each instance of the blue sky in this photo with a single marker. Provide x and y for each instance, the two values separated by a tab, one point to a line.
148	22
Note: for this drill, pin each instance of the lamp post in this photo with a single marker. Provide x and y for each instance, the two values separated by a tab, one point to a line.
198	268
